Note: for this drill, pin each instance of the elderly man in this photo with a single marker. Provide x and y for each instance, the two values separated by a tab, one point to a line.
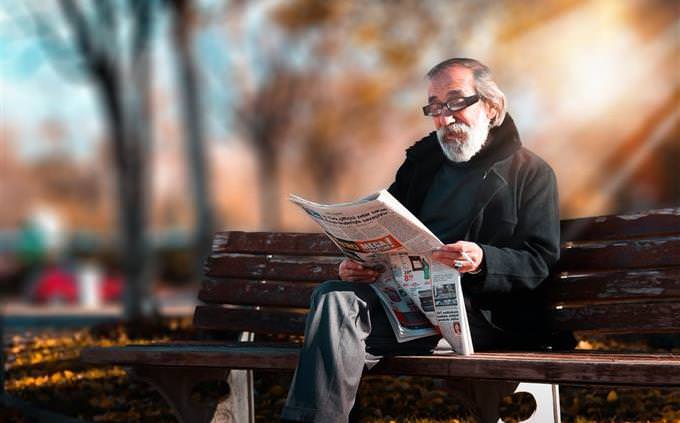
474	185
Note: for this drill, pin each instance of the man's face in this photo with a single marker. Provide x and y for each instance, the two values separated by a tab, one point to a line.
462	133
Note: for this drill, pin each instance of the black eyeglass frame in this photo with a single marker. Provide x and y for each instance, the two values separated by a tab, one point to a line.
452	105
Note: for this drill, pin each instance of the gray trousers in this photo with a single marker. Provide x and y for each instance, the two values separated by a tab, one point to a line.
347	330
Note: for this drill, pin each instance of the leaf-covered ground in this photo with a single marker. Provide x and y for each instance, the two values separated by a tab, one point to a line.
44	370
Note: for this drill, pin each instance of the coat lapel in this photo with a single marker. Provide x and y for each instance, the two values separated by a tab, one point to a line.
493	183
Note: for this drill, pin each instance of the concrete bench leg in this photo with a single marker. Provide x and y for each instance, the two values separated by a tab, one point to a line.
547	399
176	385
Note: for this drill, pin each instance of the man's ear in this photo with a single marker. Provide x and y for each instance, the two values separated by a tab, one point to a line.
491	112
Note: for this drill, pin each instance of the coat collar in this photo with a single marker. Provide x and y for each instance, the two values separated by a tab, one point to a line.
428	157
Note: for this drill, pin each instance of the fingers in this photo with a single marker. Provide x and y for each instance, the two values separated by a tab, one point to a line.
454	260
456	247
359	277
462	255
355	272
350	264
447	257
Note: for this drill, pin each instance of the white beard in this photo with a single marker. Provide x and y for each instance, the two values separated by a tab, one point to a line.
466	143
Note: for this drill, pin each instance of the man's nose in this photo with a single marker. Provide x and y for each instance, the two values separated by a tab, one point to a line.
445	119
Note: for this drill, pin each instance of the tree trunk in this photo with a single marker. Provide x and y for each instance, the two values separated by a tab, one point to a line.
268	175
124	97
194	136
129	164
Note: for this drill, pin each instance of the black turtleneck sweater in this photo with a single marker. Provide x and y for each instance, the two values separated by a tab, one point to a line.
447	208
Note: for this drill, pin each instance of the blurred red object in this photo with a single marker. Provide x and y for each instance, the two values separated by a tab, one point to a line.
56	285
112	288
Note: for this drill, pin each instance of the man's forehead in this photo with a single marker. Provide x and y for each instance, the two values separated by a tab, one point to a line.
453	81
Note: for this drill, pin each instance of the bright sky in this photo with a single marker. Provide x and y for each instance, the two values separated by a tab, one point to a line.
33	91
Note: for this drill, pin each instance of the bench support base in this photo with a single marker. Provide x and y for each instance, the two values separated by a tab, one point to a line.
177	386
547	399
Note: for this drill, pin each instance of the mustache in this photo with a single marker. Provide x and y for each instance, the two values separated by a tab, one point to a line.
456	128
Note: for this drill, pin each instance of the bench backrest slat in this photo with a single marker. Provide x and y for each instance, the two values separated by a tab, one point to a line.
302	268
619	318
283	243
600	287
611	255
625	254
266	320
602	318
634	225
257	292
568	289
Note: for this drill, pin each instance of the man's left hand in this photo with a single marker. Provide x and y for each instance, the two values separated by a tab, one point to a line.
450	254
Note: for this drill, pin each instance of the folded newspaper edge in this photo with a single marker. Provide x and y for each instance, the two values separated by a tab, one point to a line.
421	296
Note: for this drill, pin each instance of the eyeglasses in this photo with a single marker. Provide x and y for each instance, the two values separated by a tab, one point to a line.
452	105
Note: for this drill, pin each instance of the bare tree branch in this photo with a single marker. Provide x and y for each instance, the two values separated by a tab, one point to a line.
141	10
108	20
59	45
83	34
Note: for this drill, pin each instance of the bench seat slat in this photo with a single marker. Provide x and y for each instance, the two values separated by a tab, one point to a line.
256	292
282	243
619	318
614	255
632	225
571	367
601	287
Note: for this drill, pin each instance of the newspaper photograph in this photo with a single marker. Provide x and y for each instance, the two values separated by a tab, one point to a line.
421	296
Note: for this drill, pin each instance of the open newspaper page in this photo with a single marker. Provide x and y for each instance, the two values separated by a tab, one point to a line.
421	297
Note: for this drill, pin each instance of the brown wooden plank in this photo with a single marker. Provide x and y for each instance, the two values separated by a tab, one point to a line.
619	318
310	268
256	292
266	320
617	255
282	243
661	284
573	367
631	225
590	256
608	318
244	355
600	287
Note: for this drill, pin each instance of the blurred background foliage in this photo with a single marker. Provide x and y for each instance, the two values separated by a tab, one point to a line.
131	130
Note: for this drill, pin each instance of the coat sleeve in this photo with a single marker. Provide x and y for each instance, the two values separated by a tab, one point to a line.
526	260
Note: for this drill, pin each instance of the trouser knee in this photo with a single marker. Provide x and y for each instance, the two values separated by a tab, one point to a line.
331	287
335	302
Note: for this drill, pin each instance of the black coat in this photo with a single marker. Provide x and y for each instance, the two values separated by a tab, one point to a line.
516	223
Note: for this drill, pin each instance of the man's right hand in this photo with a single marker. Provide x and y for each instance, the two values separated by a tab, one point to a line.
352	271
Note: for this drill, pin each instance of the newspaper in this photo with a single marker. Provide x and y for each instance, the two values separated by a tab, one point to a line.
421	296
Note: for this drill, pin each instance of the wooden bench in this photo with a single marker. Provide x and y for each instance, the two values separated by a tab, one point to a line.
617	274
